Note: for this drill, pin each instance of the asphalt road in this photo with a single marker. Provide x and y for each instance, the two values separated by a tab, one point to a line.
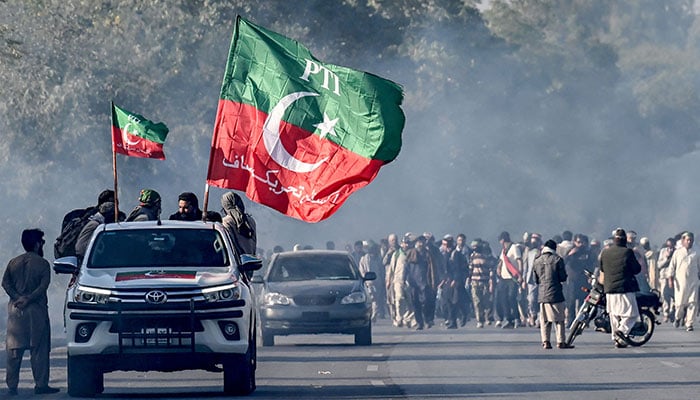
489	363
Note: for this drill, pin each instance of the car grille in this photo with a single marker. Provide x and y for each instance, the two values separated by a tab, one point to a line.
314	300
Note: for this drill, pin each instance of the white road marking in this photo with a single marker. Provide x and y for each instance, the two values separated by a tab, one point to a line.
671	364
377	383
378	355
373	368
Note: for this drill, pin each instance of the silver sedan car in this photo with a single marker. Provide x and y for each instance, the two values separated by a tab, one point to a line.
312	292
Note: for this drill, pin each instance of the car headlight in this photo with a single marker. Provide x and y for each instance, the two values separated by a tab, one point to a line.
272	299
354	298
222	293
86	294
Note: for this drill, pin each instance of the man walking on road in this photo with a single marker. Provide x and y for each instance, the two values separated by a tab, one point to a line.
26	280
684	270
550	272
421	280
618	267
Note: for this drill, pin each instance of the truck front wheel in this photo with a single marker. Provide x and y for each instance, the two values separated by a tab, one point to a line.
84	378
239	372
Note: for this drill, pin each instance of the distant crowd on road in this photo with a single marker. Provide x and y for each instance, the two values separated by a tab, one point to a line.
422	279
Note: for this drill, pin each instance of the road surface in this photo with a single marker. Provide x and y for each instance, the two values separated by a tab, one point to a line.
468	363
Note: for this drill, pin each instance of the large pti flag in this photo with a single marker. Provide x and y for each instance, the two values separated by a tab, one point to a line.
297	134
134	135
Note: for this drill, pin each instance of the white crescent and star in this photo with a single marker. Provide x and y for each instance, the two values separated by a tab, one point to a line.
125	136
271	134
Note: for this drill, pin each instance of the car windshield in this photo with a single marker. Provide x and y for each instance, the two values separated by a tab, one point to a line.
158	247
336	267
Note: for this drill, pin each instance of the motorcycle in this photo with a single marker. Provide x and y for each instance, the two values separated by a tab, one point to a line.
593	309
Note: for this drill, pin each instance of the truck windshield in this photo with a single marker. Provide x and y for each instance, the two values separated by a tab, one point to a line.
158	247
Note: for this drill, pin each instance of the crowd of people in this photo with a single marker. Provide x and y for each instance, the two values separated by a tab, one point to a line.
453	280
420	280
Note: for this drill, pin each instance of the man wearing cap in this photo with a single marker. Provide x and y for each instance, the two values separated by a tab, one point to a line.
549	274
684	270
397	278
148	208
618	267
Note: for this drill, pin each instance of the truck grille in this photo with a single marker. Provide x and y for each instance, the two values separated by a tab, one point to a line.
147	331
156	338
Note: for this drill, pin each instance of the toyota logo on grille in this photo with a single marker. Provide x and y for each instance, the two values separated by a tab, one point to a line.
156	297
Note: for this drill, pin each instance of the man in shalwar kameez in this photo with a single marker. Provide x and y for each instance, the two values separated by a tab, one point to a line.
26	280
684	270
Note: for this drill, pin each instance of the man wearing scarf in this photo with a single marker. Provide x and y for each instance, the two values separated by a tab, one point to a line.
240	225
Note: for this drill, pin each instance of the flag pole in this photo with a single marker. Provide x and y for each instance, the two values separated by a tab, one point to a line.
214	140
114	165
206	202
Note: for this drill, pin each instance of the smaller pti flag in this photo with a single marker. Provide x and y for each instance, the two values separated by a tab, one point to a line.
134	135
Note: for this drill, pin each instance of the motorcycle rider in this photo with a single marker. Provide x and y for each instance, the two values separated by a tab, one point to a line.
618	267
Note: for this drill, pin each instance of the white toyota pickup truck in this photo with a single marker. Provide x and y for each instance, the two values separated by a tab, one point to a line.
160	296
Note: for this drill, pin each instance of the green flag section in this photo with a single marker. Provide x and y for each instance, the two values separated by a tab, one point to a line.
134	135
297	134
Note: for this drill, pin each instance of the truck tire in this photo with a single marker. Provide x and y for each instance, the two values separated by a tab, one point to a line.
364	337
84	379
239	372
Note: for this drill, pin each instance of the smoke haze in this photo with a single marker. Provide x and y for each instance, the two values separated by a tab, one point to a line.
586	123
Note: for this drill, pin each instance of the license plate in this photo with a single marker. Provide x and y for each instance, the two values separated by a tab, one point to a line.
155	332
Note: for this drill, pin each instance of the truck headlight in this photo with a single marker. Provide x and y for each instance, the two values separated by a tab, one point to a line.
86	294
222	293
273	298
354	298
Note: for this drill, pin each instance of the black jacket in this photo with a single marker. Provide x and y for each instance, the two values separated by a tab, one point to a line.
619	266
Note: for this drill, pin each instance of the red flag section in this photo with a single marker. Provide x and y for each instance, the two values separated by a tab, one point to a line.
241	161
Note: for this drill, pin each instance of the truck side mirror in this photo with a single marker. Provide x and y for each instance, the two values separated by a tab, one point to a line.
66	265
250	263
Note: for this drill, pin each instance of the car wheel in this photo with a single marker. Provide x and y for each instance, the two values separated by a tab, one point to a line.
84	379
239	372
364	337
268	339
